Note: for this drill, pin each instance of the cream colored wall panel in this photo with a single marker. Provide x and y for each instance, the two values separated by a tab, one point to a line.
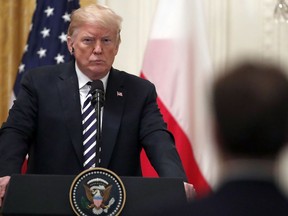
245	29
216	17
282	44
252	31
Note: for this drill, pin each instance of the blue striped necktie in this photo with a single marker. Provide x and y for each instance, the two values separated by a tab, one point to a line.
89	132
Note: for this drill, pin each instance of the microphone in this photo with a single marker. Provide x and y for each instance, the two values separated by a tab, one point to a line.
97	100
97	92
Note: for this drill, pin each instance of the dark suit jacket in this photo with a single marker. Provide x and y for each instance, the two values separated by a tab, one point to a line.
238	198
46	121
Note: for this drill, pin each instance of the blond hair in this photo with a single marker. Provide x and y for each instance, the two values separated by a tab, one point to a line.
95	14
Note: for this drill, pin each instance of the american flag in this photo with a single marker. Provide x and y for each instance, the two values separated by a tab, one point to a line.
46	43
47	38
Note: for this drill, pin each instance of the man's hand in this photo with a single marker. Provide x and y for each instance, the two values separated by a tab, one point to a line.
190	191
3	185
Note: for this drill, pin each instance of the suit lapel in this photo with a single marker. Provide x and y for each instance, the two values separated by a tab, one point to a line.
69	95
113	110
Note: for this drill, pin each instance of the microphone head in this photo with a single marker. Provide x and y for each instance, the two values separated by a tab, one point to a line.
97	92
96	84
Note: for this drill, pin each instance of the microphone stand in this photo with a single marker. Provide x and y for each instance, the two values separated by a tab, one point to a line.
98	97
98	126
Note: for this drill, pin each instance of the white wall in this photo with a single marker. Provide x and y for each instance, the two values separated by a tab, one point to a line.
241	28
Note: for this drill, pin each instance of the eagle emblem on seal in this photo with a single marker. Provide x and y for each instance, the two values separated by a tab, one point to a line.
98	194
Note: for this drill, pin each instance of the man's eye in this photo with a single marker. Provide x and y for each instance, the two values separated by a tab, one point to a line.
88	40
106	40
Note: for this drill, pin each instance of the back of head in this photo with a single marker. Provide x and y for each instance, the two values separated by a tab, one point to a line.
250	102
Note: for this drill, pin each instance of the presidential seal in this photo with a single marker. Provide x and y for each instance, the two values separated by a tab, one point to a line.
97	191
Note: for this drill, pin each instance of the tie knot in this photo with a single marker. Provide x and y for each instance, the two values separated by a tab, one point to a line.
87	89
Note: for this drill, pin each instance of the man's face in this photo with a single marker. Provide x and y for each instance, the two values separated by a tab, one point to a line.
95	48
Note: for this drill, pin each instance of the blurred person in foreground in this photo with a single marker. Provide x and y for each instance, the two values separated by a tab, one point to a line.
45	120
250	107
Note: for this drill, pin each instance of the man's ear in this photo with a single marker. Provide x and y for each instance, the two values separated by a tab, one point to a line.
70	45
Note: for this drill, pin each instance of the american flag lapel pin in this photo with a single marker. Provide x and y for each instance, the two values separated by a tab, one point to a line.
119	94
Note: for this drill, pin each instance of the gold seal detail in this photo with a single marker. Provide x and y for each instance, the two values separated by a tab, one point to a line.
97	191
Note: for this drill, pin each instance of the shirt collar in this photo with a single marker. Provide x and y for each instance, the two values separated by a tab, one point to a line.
83	79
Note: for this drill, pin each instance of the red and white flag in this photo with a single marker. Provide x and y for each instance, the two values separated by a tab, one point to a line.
177	62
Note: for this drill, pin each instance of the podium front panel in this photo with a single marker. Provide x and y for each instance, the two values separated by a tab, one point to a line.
49	195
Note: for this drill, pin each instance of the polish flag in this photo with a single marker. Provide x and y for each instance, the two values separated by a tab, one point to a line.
176	60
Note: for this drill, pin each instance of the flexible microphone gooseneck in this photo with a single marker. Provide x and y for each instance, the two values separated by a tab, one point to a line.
98	98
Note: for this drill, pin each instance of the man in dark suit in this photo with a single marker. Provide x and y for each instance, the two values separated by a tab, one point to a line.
45	120
250	103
